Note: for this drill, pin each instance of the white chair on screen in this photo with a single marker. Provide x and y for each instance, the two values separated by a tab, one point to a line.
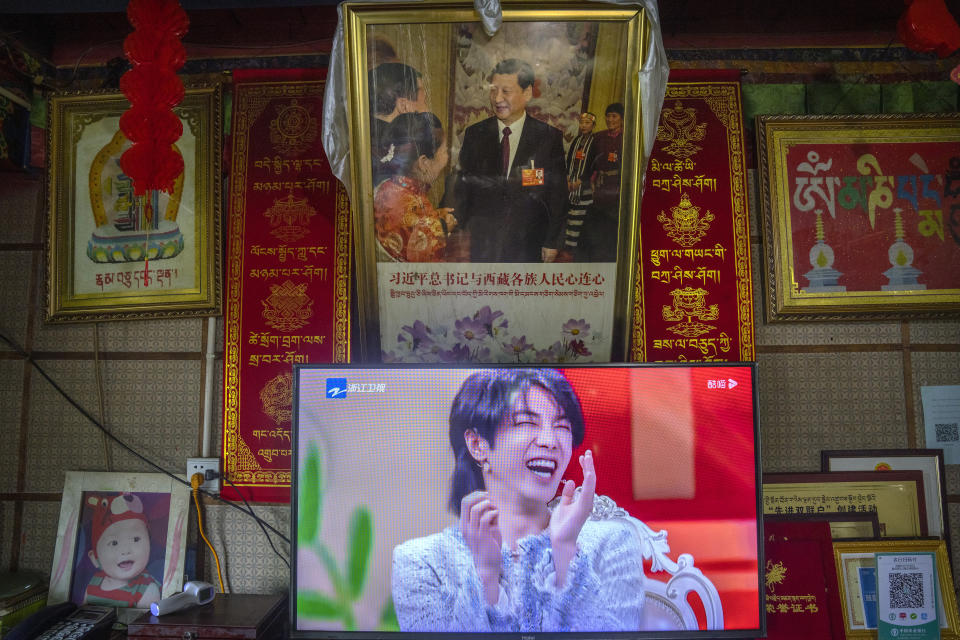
666	607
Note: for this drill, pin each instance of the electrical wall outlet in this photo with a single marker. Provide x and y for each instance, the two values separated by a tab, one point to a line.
206	466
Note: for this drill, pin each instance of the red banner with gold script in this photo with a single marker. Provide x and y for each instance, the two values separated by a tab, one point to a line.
693	299
288	271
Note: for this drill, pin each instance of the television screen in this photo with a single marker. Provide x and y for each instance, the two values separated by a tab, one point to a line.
529	501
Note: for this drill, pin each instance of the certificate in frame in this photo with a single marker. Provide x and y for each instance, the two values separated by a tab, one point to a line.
896	497
927	461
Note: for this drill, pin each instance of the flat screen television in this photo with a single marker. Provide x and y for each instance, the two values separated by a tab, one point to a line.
384	456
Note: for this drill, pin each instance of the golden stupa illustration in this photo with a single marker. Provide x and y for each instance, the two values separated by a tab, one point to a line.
130	229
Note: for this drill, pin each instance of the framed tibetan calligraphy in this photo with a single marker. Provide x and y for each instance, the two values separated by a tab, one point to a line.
861	215
287	273
856	563
111	255
895	496
460	192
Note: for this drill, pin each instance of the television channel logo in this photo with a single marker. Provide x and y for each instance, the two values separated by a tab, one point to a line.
336	387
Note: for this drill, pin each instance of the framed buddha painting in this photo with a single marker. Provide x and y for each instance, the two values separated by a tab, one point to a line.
113	255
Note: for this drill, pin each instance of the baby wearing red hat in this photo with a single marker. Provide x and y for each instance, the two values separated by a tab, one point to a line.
121	551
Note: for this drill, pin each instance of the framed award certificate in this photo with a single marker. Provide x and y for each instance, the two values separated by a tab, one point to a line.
895	496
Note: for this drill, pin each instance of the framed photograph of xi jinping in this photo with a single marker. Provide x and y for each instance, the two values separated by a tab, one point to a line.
495	178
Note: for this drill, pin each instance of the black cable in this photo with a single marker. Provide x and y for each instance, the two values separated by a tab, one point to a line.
84	53
259	520
274	45
120	442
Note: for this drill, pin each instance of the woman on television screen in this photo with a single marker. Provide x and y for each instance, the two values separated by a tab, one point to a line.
514	563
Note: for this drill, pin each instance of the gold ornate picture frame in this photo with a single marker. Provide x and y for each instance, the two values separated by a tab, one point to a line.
855	559
461	304
109	257
861	215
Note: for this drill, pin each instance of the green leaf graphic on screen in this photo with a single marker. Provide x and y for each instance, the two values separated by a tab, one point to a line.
310	491
361	536
347	582
388	617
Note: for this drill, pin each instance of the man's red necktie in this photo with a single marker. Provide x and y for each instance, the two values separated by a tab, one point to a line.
505	151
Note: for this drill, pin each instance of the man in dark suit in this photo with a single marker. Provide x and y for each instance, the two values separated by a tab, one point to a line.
511	190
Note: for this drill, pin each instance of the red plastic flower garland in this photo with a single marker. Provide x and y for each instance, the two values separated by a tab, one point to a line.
153	89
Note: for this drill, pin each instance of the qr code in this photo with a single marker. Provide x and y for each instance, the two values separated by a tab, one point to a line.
947	432
906	590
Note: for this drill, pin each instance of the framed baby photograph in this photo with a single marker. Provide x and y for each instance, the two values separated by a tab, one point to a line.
121	540
463	201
